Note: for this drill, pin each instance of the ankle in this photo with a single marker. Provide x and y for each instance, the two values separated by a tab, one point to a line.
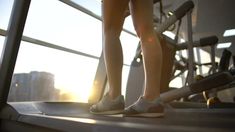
150	97
113	96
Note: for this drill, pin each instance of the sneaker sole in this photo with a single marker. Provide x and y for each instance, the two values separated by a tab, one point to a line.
112	112
148	115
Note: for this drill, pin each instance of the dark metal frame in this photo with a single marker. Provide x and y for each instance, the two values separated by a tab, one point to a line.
50	45
190	49
11	46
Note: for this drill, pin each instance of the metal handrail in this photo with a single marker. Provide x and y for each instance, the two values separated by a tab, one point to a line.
50	45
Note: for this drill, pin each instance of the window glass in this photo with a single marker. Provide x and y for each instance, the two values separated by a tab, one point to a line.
5	12
129	45
92	5
206	58
45	74
1	44
129	24
58	23
177	82
95	7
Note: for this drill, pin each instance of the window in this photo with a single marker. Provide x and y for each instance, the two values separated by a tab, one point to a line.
43	73
92	5
47	74
58	23
5	11
1	43
60	75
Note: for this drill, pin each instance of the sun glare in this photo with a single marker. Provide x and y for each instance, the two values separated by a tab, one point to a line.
76	82
75	90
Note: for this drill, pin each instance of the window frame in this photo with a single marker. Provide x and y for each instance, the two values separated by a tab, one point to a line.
11	46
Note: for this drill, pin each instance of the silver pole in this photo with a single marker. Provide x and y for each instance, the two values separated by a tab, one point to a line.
199	60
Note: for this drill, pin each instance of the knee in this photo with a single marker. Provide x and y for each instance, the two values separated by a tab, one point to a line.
111	32
146	33
143	28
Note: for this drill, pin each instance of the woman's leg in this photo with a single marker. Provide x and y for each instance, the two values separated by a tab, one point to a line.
113	19
168	53
142	14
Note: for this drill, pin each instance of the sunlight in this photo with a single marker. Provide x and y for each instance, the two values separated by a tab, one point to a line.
77	81
73	74
76	87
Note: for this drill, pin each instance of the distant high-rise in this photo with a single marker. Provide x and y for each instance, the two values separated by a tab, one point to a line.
33	86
